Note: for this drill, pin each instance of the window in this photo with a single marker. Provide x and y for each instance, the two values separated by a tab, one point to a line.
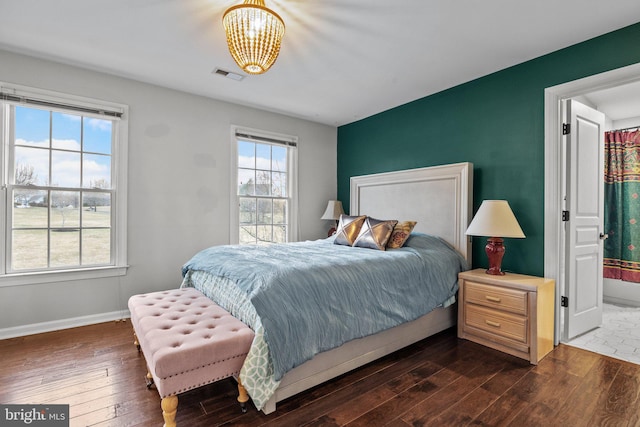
64	182
265	188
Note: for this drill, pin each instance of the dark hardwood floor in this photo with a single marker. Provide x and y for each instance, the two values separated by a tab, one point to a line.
440	381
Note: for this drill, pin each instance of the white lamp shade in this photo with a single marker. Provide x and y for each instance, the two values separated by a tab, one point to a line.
333	211
495	219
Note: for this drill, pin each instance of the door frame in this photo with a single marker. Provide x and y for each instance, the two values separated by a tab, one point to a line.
554	170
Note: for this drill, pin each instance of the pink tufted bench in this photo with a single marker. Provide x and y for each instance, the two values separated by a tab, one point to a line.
188	341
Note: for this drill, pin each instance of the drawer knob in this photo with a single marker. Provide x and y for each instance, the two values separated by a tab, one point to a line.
490	323
492	299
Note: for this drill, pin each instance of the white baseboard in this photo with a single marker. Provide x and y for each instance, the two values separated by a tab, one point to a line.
622	302
623	293
56	325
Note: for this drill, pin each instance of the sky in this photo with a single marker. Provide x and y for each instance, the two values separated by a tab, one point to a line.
69	141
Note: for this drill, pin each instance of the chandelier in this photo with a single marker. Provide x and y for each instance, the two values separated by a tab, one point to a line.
254	34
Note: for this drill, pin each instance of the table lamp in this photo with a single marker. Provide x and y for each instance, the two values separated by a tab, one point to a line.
495	220
333	212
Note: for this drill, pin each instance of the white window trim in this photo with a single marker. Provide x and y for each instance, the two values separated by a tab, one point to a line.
234	214
119	155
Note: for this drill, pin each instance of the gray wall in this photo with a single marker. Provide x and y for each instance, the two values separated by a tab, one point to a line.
179	185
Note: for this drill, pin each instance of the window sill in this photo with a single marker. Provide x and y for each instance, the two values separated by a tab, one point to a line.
19	279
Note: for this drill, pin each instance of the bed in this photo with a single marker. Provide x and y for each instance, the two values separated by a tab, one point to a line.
437	198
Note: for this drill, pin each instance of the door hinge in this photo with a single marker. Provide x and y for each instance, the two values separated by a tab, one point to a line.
566	128
564	301
565	215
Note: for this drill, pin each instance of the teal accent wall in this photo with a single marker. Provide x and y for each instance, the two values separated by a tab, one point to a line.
497	123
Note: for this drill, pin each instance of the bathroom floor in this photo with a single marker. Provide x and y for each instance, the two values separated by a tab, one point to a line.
619	335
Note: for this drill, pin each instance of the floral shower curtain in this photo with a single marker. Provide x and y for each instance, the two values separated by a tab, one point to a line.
622	205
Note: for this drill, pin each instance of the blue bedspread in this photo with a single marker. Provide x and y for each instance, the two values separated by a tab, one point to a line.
314	296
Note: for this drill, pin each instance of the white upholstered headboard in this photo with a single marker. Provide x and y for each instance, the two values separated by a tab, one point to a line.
439	198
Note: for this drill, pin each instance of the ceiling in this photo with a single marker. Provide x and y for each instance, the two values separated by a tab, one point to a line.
619	102
341	60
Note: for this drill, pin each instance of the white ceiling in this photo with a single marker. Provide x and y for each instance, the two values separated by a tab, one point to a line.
341	60
618	103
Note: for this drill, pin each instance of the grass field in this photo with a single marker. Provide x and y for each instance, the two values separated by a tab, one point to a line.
75	237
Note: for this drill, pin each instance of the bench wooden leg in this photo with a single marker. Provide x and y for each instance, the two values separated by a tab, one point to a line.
135	341
149	379
243	397
169	408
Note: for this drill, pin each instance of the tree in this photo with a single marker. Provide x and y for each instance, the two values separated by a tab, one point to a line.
25	175
101	183
64	202
263	211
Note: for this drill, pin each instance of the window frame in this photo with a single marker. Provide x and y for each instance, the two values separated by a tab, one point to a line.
65	103
264	137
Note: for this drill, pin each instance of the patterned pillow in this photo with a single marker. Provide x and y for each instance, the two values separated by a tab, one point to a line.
400	234
348	229
375	233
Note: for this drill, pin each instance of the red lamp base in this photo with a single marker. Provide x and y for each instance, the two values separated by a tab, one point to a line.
495	252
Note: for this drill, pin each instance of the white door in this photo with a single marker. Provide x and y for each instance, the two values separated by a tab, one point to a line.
585	217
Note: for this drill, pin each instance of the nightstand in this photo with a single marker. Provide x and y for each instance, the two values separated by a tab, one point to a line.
513	313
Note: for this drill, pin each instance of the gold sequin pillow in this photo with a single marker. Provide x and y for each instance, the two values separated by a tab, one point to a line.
348	229
375	233
400	234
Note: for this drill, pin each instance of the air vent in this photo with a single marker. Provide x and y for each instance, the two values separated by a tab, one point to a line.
228	74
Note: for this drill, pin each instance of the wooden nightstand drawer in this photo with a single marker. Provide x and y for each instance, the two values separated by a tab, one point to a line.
497	323
513	300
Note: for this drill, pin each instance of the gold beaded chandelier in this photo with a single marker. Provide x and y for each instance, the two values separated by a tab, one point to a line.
254	34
